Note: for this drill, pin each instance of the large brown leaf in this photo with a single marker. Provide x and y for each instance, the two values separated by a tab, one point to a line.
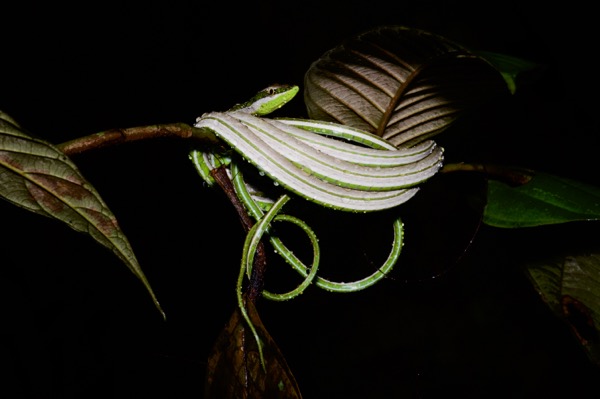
402	84
35	175
234	369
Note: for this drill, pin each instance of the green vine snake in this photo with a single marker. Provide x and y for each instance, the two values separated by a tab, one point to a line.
332	165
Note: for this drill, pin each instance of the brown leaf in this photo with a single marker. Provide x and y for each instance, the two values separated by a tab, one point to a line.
402	84
234	369
37	176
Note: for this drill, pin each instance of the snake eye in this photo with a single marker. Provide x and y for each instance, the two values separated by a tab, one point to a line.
273	89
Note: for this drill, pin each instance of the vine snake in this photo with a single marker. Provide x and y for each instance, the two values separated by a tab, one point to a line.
332	165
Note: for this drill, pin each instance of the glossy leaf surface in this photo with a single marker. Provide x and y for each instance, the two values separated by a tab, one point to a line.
545	199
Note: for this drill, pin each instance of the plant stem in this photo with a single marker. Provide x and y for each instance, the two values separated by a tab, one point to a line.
260	259
514	176
119	136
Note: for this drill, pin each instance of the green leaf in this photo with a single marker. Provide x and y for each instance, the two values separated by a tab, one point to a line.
570	286
545	199
35	175
509	67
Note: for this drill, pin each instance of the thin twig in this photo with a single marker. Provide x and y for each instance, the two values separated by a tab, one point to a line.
510	175
119	136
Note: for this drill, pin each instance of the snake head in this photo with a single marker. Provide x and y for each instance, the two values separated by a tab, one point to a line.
268	100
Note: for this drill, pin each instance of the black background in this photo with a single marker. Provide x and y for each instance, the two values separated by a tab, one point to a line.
76	323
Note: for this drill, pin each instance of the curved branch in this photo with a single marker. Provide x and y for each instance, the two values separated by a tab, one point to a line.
119	136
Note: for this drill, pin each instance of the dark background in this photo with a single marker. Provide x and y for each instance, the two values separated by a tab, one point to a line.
76	323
